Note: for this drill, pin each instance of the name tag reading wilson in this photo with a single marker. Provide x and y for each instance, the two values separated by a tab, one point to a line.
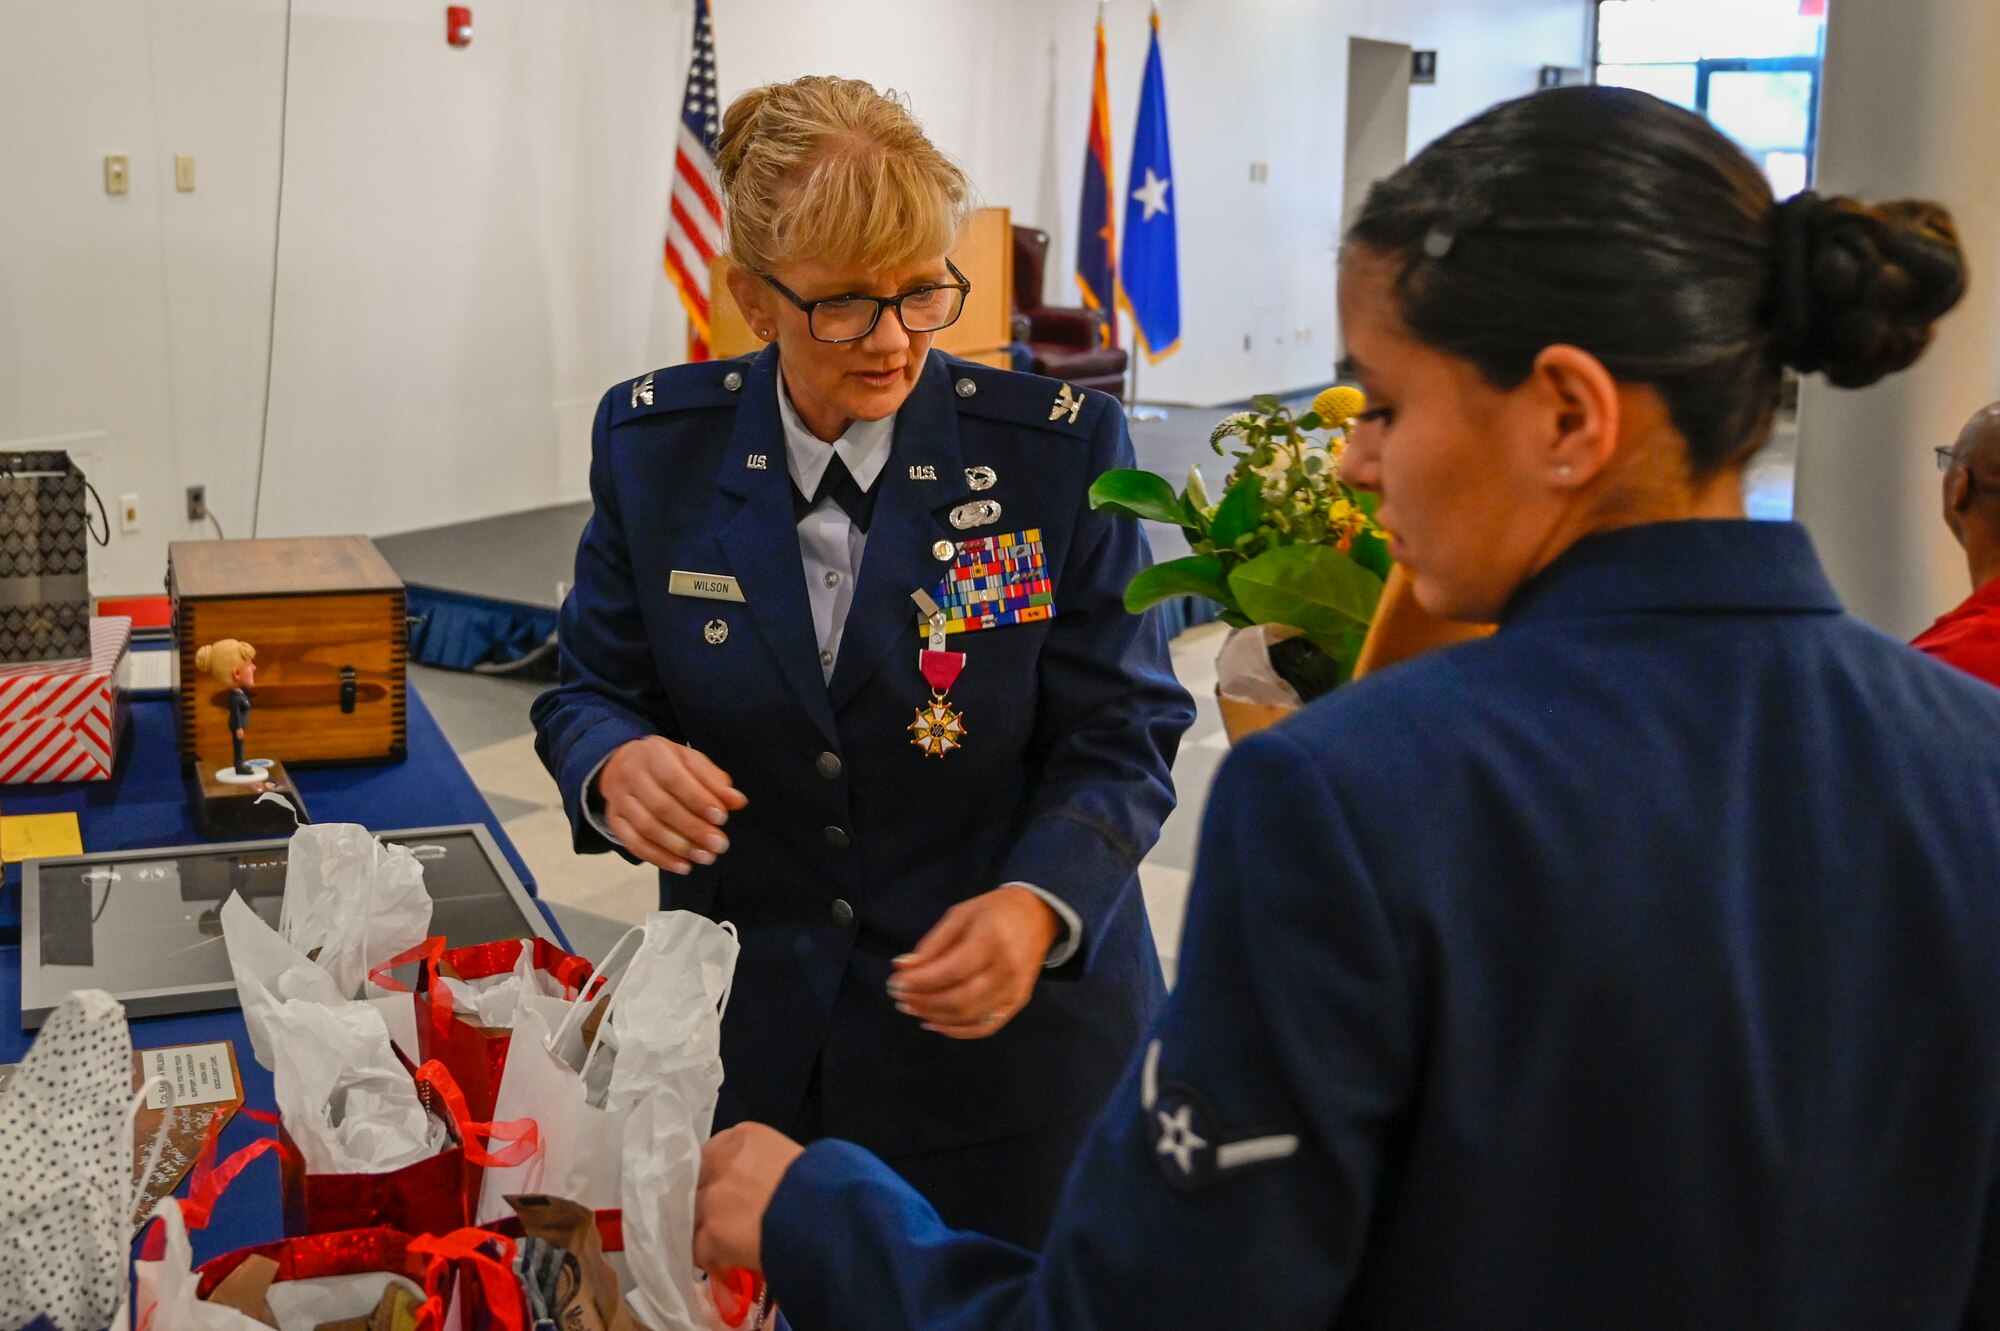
708	586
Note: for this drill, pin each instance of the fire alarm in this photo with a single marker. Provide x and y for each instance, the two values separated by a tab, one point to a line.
458	25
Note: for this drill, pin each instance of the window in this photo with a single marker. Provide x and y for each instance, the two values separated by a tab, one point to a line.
1751	66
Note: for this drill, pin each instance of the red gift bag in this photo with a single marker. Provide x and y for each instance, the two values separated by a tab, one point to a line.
434	1196
476	1055
471	1266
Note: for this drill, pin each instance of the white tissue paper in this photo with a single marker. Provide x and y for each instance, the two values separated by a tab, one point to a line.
345	1099
343	1095
493	1002
351	902
667	1020
1243	666
166	1298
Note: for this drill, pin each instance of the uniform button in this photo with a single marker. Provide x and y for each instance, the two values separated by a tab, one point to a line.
841	913
826	659
832	579
828	765
837	838
966	388
944	550
732	381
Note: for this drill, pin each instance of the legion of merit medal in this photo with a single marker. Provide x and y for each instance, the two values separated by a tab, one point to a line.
938	728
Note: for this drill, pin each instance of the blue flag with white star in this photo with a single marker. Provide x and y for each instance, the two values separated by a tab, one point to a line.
1149	274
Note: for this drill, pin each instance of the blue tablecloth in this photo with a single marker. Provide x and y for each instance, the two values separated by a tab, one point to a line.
146	804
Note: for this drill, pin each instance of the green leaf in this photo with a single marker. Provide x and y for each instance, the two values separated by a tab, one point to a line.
1310	421
1266	405
1238	512
1313	588
1139	493
1192	575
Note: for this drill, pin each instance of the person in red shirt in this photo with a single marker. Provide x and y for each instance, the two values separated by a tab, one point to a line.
1969	637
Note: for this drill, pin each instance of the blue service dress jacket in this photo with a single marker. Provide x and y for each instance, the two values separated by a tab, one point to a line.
1636	967
855	841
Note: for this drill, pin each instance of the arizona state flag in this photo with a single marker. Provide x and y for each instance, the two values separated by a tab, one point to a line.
1149	272
1096	244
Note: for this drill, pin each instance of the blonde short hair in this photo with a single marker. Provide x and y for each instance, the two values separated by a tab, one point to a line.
830	169
220	659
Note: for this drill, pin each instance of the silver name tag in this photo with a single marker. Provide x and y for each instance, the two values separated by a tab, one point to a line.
707	586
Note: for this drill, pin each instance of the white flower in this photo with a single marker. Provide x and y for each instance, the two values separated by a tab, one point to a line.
1230	426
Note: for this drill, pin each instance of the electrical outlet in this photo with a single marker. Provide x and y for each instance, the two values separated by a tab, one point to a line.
197	502
128	513
117	174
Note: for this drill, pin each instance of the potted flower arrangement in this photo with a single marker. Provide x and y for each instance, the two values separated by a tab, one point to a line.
1290	552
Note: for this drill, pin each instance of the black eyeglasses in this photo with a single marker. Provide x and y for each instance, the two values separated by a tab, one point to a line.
928	309
1947	454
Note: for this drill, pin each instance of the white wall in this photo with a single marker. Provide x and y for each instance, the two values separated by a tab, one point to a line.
133	328
1907	112
1267	82
469	245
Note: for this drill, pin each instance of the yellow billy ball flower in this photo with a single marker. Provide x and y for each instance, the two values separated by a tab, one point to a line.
1339	405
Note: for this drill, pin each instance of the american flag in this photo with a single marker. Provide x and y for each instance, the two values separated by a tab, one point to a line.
694	220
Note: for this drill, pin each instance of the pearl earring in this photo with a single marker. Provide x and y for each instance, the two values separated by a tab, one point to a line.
1563	471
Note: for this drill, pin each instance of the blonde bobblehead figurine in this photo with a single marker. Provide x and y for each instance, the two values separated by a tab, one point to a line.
233	663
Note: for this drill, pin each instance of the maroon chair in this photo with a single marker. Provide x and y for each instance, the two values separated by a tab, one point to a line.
1066	341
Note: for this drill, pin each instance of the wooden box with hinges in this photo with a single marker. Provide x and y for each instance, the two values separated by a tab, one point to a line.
326	617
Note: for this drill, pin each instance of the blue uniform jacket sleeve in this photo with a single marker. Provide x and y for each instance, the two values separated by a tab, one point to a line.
608	692
1233	1178
1109	717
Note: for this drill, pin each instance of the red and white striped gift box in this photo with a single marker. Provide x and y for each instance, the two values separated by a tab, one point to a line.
61	721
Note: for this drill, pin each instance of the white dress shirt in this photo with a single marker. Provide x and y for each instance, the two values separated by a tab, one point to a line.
829	542
831	546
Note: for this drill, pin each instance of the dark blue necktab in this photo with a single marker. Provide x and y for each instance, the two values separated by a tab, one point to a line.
1706	564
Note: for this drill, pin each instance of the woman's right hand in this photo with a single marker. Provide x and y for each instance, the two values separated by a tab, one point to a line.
667	802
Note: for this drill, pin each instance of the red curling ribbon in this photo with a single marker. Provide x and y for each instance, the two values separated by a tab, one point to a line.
940	668
522	1135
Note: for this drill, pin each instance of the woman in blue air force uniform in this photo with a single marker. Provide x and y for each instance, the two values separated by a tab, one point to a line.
1636	967
932	863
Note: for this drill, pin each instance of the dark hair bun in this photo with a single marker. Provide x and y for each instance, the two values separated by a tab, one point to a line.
1860	286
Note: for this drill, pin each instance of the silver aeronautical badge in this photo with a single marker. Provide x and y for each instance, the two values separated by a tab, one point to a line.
975	514
1069	400
642	392
716	631
981	478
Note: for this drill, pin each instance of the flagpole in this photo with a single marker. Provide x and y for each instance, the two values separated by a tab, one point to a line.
1133	410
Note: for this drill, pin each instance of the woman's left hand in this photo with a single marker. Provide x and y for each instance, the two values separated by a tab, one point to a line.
978	965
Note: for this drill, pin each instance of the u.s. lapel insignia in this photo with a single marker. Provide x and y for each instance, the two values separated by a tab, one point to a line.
642	392
1069	400
981	478
758	462
978	513
923	472
716	632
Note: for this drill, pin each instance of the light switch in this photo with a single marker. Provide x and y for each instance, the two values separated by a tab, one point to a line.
117	174
184	172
